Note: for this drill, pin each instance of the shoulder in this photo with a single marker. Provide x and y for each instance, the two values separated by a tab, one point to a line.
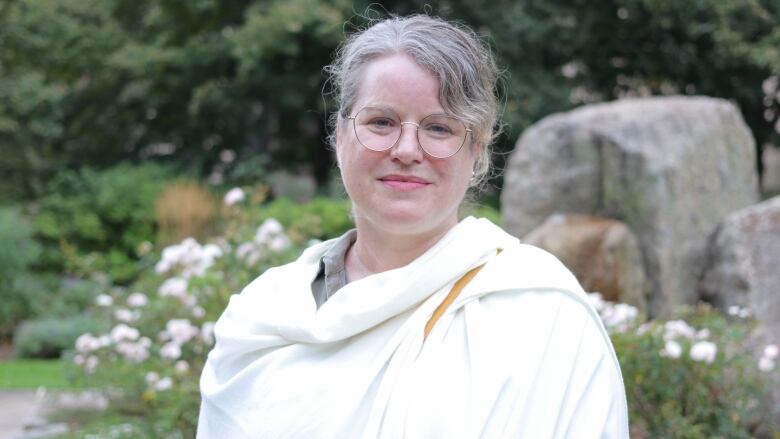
527	293
523	267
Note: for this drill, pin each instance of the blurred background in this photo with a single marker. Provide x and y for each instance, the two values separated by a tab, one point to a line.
157	155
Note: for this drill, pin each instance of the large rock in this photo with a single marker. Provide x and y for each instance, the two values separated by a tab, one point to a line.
770	180
743	265
602	253
669	167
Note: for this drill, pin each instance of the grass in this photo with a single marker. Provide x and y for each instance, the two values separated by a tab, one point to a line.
30	374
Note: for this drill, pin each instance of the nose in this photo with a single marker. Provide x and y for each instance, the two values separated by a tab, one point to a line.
407	150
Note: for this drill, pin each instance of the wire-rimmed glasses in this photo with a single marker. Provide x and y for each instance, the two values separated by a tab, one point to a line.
440	135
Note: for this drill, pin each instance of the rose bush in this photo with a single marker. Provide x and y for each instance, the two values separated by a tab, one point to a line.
695	376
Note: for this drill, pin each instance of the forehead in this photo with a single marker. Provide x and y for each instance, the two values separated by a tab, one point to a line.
399	83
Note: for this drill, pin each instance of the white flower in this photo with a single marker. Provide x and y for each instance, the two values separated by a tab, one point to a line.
181	366
249	252
643	328
170	351
738	311
766	364
124	332
151	377
618	316
198	312
771	351
671	349
674	329
233	196
279	243
188	256
133	352
91	364
104	300
125	315
181	330
207	332
702	334
704	351
174	287
268	229
137	300
78	359
163	384
87	343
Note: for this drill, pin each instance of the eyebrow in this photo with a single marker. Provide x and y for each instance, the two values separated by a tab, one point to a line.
389	108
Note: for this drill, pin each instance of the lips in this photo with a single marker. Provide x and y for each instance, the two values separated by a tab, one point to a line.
404	182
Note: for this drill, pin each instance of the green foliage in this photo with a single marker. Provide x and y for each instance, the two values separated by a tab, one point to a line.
50	336
94	221
321	218
17	286
93	82
684	397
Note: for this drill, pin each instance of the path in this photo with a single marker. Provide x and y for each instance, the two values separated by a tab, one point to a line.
16	407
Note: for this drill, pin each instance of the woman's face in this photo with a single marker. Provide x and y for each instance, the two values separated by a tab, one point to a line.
402	190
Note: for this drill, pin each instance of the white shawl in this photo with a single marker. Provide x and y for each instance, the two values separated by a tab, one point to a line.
520	353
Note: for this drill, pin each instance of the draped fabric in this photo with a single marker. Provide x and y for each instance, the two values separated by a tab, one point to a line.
520	353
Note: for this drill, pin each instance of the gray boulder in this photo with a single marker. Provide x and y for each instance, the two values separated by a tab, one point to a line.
743	266
770	180
669	167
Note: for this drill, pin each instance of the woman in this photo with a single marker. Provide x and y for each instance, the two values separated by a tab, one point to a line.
414	324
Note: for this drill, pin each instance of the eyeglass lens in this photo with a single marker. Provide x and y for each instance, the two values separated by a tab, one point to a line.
439	135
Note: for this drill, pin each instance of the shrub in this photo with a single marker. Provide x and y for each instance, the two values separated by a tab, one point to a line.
321	218
94	221
49	337
17	287
692	377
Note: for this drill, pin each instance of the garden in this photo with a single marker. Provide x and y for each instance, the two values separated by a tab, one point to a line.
157	156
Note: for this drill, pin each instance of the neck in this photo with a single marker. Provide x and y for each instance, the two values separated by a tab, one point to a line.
375	251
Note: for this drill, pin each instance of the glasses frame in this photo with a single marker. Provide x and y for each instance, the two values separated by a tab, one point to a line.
417	133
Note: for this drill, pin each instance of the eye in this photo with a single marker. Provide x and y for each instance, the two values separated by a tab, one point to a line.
381	122
438	129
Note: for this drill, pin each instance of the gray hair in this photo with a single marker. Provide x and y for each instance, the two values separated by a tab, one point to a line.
455	54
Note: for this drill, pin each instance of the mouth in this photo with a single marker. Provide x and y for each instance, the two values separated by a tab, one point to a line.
404	182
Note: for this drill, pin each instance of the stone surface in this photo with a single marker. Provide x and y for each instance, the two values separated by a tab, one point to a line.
770	180
669	167
15	407
743	266
602	253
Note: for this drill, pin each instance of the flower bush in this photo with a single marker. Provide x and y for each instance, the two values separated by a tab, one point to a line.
692	377
161	327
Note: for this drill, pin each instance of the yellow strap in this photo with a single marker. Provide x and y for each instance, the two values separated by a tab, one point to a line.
456	289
